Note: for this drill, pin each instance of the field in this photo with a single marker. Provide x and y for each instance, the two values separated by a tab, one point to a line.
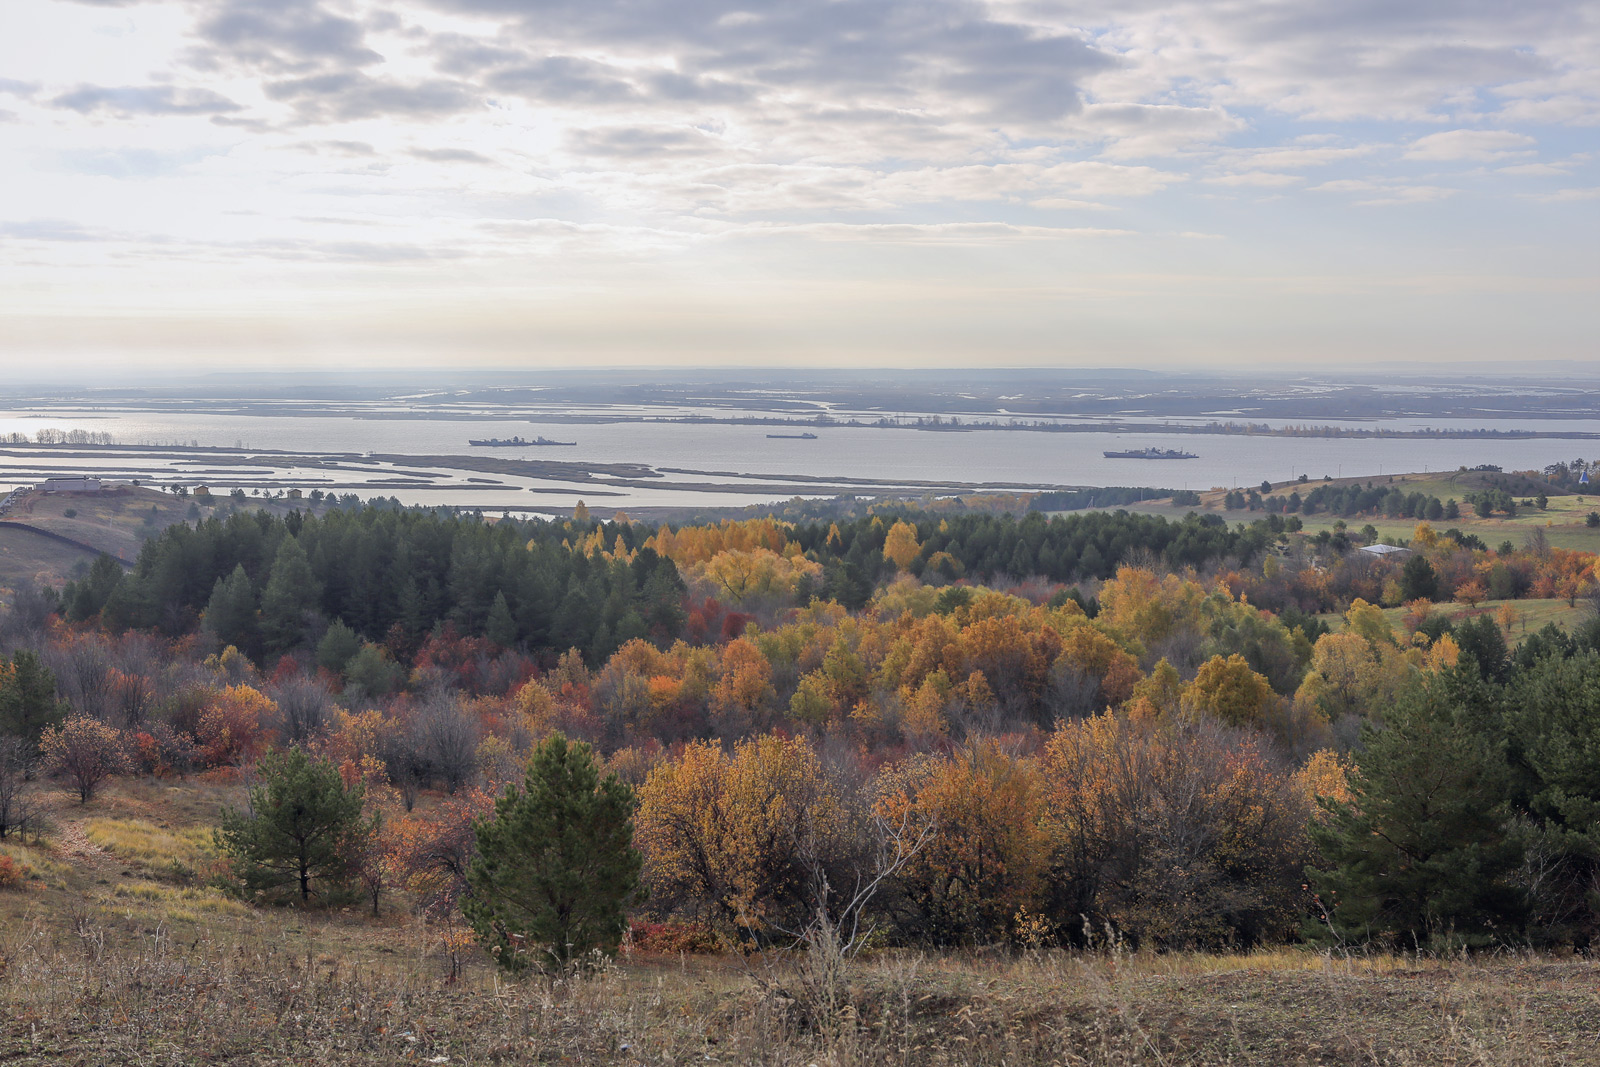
110	955
117	521
25	554
1532	615
1562	519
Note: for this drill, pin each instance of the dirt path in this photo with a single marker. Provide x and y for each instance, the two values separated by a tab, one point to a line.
86	858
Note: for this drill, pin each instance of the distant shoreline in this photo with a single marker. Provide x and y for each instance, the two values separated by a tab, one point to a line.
934	424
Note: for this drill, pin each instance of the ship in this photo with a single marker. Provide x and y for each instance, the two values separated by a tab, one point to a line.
517	442
793	436
1151	453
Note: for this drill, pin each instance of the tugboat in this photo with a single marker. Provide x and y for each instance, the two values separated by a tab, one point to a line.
517	442
793	436
1151	453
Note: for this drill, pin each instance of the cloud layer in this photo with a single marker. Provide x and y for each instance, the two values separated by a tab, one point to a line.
595	146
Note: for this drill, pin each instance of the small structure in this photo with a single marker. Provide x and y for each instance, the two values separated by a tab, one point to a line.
295	494
1384	550
82	484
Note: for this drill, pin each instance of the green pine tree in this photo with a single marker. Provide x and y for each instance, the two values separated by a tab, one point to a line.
1418	580
292	593
1422	851
1555	739
556	867
501	627
91	595
28	701
231	611
300	832
337	647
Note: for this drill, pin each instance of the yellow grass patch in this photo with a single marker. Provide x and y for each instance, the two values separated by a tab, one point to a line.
181	851
37	859
185	904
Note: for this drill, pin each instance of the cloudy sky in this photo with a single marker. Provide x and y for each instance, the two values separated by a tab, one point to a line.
239	183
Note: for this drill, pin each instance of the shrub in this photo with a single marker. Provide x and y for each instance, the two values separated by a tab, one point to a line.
13	873
85	752
675	937
17	810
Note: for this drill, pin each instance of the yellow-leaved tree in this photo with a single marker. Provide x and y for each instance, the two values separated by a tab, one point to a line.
900	546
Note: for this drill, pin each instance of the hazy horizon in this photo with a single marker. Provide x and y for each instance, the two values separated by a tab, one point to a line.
499	184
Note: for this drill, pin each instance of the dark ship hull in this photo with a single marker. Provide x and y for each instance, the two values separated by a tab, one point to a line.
1151	453
517	442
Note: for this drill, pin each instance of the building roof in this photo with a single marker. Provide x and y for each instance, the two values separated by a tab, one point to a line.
1383	550
80	483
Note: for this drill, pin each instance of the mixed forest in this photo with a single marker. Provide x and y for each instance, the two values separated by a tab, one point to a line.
1094	728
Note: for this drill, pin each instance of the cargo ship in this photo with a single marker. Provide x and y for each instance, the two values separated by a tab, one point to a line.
793	436
1151	453
517	442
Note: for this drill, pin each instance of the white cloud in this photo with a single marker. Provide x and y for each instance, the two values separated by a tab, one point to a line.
1260	179
1475	145
1409	194
1569	196
1536	170
626	139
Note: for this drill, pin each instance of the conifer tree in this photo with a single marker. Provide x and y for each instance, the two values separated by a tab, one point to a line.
337	647
89	596
501	627
1421	851
28	696
231	611
291	595
556	867
301	830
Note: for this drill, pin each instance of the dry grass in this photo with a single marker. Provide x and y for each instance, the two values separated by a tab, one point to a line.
1563	519
103	989
173	852
26	555
44	866
1532	614
101	964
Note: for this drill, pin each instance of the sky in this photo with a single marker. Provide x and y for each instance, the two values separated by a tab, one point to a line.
1284	184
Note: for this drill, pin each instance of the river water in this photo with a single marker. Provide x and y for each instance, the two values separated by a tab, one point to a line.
745	460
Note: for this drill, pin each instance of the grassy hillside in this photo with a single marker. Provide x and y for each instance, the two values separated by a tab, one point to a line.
109	953
28	555
1562	519
117	521
1532	615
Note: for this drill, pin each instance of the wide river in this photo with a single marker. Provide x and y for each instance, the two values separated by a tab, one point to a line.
883	457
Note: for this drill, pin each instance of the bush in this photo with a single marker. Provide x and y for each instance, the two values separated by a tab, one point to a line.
674	938
85	752
17	810
13	873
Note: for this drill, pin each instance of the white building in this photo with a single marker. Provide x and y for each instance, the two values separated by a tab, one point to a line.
71	485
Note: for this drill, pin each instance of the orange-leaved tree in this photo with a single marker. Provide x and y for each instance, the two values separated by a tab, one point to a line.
985	862
743	838
85	752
